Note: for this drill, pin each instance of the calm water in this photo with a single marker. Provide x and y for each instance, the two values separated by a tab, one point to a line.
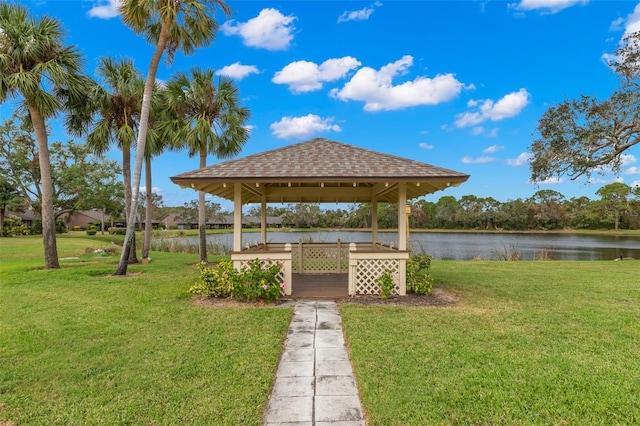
466	246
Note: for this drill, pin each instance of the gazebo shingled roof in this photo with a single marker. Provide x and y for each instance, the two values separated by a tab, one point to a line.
320	170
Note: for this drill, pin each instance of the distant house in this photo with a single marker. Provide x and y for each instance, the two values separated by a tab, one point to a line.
219	222
84	218
27	217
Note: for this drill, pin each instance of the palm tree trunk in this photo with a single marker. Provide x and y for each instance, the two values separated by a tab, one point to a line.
3	210
128	198
142	138
47	213
202	219
148	210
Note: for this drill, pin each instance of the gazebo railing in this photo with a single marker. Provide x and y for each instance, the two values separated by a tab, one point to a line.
280	254
364	262
366	266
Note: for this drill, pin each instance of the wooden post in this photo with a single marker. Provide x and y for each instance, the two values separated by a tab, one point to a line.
402	216
263	220
237	217
374	219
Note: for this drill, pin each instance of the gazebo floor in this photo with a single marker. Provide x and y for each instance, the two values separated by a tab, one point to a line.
321	286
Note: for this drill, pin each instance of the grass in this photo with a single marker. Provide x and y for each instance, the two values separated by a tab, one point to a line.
529	343
79	346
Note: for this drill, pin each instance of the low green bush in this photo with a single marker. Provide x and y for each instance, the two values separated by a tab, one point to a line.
92	231
419	278
117	231
385	281
256	280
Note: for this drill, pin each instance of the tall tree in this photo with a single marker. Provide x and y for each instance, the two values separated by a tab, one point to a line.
582	135
171	26
37	66
615	200
209	120
118	104
9	196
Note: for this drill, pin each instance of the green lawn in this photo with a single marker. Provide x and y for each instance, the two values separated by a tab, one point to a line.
79	346
546	343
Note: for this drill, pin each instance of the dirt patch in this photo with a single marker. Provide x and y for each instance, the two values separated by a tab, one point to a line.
228	302
438	297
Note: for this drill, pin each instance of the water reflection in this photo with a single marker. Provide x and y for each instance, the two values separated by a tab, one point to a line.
466	246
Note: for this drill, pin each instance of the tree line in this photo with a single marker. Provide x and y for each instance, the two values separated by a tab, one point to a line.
618	207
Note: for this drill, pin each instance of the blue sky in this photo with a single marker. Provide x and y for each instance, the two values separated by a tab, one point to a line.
456	84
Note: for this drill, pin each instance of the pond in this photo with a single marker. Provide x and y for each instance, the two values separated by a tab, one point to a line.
470	245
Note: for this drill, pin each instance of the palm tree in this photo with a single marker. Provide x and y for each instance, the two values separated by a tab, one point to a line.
118	105
154	147
211	122
37	66
171	25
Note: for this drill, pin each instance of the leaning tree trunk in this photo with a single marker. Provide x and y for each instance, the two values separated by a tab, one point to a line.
148	210
3	209
128	198
142	139
202	219
48	216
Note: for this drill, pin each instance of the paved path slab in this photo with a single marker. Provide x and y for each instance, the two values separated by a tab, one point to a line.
314	382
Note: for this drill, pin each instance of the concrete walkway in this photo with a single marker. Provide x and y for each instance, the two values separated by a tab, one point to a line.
314	382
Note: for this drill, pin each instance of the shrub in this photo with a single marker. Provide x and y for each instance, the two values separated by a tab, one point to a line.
385	281
215	282
91	230
419	279
256	280
118	231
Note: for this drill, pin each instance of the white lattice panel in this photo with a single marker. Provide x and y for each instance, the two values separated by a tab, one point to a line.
320	259
368	271
295	258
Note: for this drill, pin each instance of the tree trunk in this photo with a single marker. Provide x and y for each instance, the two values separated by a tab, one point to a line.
2	215
129	238
128	198
202	219
47	213
149	208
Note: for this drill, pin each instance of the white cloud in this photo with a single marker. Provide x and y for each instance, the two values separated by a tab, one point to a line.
550	181
269	30
631	24
375	88
635	184
632	171
477	130
627	159
520	160
305	76
603	181
238	71
300	127
633	21
509	106
493	133
105	9
493	148
425	145
546	6
359	15
477	160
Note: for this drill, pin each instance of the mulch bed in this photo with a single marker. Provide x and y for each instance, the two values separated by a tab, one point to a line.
438	297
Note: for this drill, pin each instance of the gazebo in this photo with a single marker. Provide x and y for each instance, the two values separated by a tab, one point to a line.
324	171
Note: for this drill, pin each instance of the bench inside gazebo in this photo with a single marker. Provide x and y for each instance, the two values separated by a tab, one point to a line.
324	171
